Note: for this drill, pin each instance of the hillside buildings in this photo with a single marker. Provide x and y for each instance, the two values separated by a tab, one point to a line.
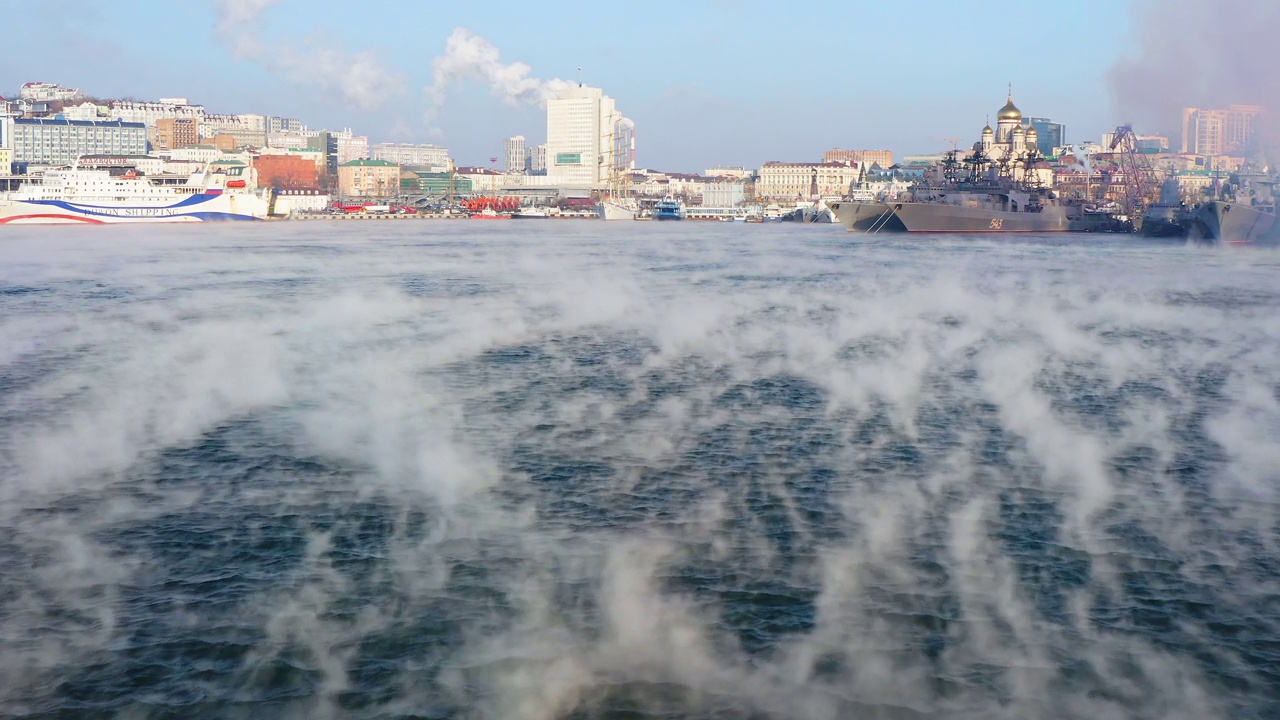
588	141
48	92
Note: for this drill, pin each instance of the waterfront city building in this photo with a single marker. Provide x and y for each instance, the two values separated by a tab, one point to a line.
739	173
537	159
288	171
45	141
253	121
724	193
432	156
1218	132
215	124
806	181
195	154
6	160
283	125
588	140
176	132
514	154
352	147
369	179
483	180
84	111
421	182
246	137
1050	135
883	158
325	142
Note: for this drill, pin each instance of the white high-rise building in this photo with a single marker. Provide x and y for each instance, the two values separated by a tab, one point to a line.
588	140
537	158
513	154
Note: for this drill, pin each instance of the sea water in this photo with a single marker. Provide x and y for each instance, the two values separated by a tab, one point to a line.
634	470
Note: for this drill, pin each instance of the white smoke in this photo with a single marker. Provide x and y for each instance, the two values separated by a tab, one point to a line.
468	56
237	23
1193	54
359	79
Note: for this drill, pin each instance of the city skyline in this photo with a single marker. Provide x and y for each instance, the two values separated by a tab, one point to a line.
718	83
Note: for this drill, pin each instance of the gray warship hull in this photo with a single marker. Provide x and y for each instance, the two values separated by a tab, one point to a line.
920	217
1234	224
1213	222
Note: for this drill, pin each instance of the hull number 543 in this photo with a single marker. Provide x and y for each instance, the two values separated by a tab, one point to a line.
997	223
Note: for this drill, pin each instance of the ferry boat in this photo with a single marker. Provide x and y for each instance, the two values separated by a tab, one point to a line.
669	209
96	197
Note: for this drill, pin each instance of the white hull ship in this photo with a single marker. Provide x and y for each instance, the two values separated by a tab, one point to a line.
618	209
96	197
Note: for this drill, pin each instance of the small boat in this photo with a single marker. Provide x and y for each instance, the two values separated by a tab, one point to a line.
530	213
669	209
489	214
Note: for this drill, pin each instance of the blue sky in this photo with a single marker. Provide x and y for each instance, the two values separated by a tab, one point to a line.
732	82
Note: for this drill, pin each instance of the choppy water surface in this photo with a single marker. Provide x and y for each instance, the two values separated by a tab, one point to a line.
570	470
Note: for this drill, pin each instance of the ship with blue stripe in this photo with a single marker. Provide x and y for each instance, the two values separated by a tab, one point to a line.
99	197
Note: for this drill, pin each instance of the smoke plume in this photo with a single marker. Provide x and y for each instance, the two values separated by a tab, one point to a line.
468	56
1196	54
357	79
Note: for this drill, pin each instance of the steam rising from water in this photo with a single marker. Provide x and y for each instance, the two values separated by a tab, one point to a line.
576	470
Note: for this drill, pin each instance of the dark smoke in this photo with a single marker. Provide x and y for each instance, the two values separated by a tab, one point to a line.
1193	53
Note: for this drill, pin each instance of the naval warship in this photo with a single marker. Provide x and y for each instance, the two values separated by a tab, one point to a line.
998	188
1245	216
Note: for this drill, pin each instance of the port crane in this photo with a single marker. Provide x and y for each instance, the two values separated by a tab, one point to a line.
1140	184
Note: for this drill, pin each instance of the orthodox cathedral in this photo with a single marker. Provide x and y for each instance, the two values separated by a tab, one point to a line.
1010	139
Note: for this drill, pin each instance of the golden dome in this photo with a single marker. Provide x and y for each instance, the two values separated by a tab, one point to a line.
1009	111
1018	130
1031	131
987	130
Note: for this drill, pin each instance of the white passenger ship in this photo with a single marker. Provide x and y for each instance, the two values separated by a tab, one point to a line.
77	195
